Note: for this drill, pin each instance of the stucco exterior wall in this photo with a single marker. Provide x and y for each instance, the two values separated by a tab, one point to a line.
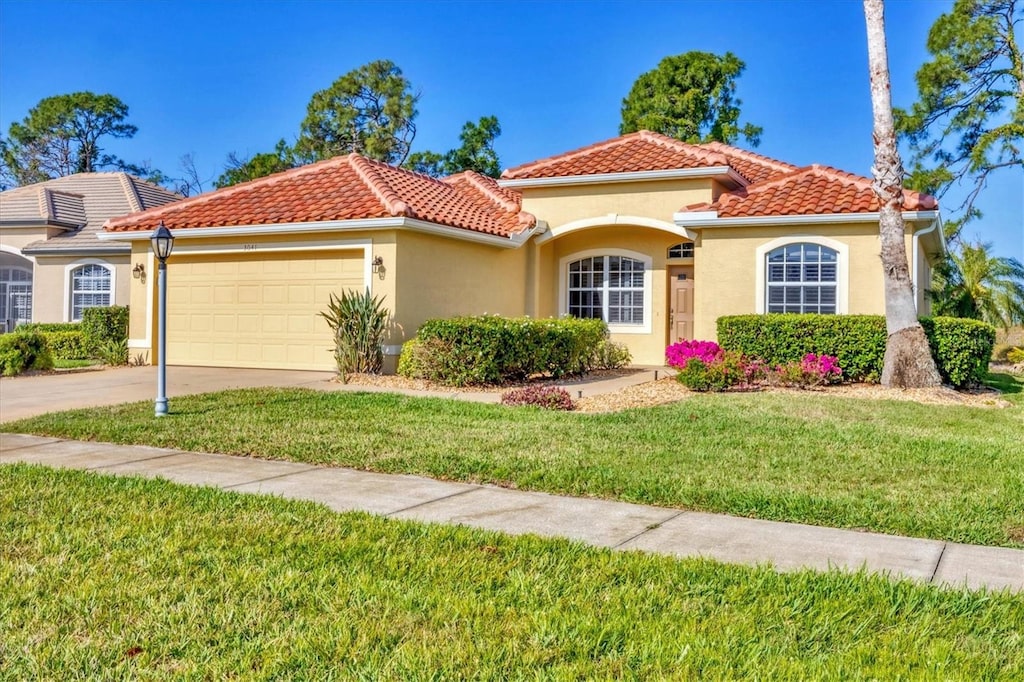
727	269
647	348
17	238
51	285
443	277
657	199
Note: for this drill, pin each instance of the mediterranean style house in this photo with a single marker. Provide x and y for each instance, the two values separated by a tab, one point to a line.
52	266
657	237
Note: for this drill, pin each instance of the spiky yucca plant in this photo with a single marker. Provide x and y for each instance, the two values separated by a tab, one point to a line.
359	323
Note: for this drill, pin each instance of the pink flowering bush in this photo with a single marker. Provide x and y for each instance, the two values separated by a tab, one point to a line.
678	354
813	370
546	397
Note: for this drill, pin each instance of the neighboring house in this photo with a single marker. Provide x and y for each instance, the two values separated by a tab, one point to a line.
52	266
657	237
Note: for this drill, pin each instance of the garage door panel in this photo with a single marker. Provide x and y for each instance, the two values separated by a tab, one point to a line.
257	310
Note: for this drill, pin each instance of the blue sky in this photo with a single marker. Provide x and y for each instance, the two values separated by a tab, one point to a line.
214	77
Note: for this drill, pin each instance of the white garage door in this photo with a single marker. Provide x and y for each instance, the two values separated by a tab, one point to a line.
249	310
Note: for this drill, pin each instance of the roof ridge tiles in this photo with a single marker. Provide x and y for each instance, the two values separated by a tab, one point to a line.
130	192
754	156
46	210
378	184
503	201
547	161
685	147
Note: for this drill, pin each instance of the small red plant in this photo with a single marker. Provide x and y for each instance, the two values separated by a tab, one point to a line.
546	397
678	354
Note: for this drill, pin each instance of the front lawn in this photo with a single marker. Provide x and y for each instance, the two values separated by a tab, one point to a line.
945	472
121	578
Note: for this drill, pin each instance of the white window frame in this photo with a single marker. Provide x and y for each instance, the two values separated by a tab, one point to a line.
69	283
648	262
680	245
842	268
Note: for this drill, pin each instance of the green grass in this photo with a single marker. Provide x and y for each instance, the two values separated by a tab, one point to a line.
73	364
123	578
945	472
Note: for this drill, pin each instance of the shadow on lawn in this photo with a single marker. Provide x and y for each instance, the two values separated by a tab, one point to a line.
1006	383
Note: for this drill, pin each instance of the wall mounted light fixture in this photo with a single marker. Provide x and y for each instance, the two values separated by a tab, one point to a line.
377	263
139	271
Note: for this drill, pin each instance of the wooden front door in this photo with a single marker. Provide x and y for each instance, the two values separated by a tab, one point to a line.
680	313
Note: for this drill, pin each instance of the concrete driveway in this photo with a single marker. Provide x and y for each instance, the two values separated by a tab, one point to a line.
27	396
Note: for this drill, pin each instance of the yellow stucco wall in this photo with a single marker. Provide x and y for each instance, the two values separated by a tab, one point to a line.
51	284
657	199
442	277
726	269
646	348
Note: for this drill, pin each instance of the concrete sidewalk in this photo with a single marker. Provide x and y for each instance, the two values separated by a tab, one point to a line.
618	525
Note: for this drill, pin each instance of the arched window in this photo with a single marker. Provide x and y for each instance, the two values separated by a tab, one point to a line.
801	278
683	250
610	288
91	287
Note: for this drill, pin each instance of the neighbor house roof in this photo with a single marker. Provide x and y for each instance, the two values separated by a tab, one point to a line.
647	151
807	191
79	204
349	187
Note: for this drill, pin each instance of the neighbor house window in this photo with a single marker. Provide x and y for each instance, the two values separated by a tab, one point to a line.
684	250
801	278
91	287
610	288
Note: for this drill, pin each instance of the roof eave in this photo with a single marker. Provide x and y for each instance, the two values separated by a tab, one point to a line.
512	241
102	250
710	219
725	174
14	224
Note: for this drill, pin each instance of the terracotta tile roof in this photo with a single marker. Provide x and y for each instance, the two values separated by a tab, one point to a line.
754	167
808	191
647	151
347	187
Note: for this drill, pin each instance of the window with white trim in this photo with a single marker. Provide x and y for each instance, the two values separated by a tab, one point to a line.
90	288
610	288
682	250
801	278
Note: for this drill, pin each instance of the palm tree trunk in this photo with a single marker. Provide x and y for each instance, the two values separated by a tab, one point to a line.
908	360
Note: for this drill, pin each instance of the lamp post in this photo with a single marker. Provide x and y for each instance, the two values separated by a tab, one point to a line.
163	243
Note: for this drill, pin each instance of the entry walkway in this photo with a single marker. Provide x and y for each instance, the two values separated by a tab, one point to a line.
617	525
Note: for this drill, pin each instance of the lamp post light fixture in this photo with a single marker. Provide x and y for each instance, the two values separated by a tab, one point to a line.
163	244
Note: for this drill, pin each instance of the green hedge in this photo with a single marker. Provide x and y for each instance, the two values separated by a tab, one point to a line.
69	345
494	350
961	347
50	327
101	326
20	351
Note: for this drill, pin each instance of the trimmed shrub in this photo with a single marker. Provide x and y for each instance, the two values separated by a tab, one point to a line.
359	323
545	397
856	341
490	349
50	327
100	325
20	351
67	345
961	347
610	355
